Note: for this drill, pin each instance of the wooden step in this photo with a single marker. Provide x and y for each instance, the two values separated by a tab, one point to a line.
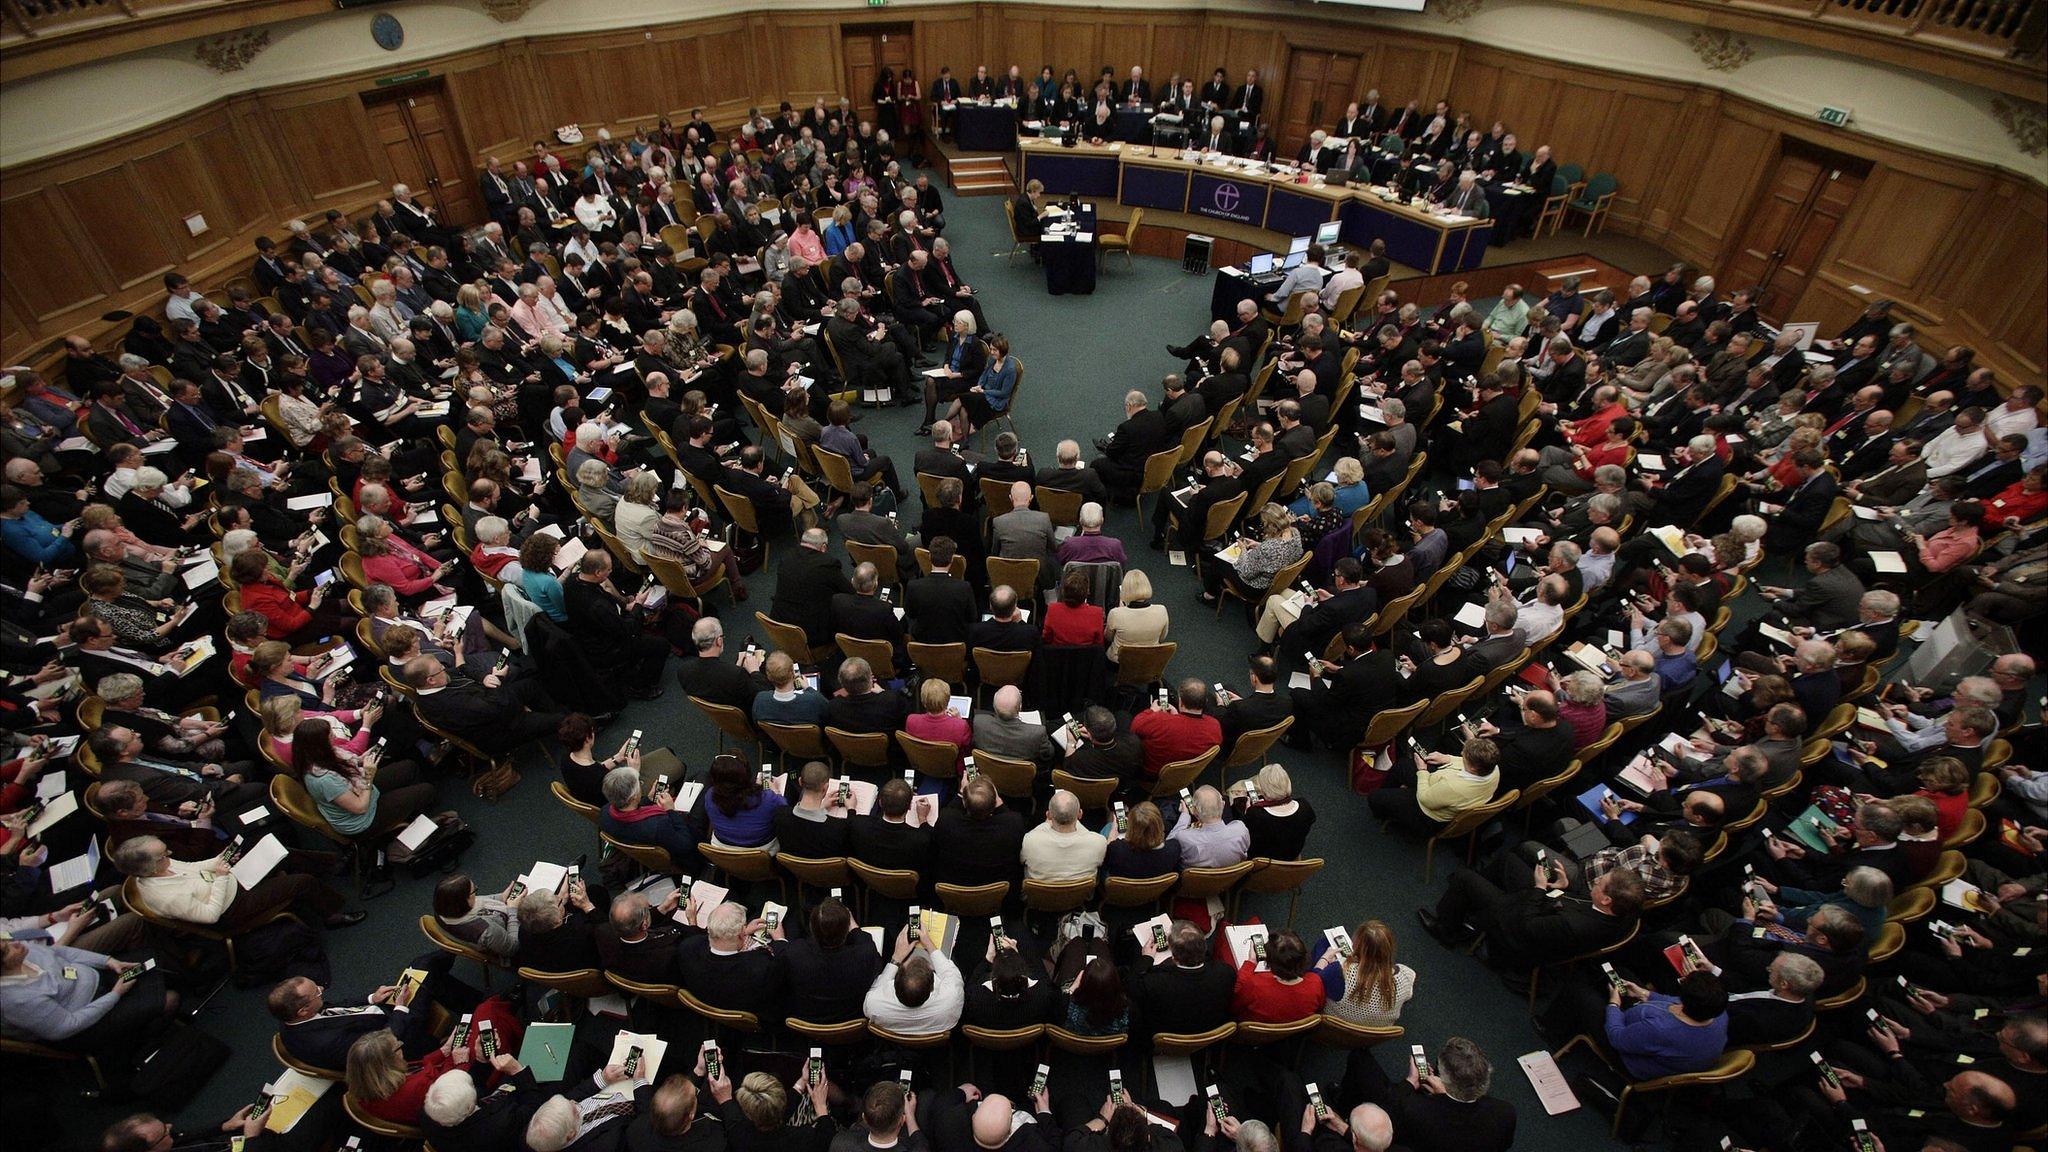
979	175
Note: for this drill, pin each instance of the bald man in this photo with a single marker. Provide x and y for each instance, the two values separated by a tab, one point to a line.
1369	1129
963	1114
1024	533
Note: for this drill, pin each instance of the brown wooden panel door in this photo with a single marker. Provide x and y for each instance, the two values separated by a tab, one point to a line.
1301	103
1772	221
1803	249
423	146
868	50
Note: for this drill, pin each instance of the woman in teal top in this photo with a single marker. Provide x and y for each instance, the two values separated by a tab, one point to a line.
357	796
470	317
537	576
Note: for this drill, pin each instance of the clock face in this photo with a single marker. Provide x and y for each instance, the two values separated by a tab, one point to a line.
387	31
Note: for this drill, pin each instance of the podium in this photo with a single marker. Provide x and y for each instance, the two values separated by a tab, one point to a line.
1194	253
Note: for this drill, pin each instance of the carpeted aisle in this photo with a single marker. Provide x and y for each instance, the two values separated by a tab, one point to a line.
1082	353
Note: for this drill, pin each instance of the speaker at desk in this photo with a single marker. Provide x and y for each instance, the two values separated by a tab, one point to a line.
1194	253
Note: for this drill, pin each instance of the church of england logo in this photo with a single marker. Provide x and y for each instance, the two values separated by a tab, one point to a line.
1226	198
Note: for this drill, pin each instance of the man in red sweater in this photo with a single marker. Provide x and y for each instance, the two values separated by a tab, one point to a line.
1178	733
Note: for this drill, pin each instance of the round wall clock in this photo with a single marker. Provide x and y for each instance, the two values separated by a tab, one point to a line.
387	31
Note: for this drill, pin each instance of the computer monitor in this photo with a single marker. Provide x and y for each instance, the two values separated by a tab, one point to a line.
1294	259
1260	264
1326	233
1299	246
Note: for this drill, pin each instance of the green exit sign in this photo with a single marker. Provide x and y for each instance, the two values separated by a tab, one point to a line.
877	3
1839	117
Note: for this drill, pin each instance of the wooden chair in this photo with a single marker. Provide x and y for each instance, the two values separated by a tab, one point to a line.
981	1040
882	556
460	949
730	720
1020	575
1057	896
1194	1046
946	661
1389	723
1123	892
824	873
727	1019
1968	831
1202	883
1911	905
1014	779
880	654
1062	506
1536	973
1466	827
1143	665
1269	875
957	569
842	1035
915	1041
581	984
1125	242
1733	1065
652	857
1158	474
1093	794
979	901
804	741
1182	774
939	759
998	669
1339	1033
1075	1044
741	513
893	884
1252	747
790	638
292	1062
860	749
590	812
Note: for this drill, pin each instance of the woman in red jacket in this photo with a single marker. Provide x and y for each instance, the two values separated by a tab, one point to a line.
385	1085
1073	620
1945	781
294	617
1284	992
391	559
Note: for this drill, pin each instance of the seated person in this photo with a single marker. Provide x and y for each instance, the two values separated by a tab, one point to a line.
1284	992
77	1000
205	892
638	818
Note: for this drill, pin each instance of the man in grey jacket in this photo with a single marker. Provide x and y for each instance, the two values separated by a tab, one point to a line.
1004	732
863	526
1024	533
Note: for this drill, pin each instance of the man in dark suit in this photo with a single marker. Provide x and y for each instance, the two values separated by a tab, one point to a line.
1782	1009
1005	630
864	615
719	969
496	720
606	626
1348	600
805	584
976	841
939	607
1446	1111
320	1033
863	705
1530	928
948	519
191	423
1218	485
634	945
1143	432
828	971
710	676
1338	709
1068	474
1249	98
945	458
1262	707
555	938
1490	432
1189	993
994	1124
1798	519
777	502
884	838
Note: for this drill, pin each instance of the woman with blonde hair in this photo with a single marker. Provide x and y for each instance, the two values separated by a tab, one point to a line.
1277	820
1135	619
939	721
1374	985
103	518
1278	545
764	1102
282	716
384	1084
636	515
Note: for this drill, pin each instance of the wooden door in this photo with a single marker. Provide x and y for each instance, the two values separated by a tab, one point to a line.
423	145
869	48
1319	85
1803	202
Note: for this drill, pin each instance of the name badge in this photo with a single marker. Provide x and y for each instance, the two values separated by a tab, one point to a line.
70	973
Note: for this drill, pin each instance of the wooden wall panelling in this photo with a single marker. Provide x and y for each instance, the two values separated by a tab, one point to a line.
957	44
493	120
573	82
642	84
329	148
1122	43
46	268
1018	38
730	67
176	185
114	204
1070	43
1735	159
807	60
1901	225
1176	47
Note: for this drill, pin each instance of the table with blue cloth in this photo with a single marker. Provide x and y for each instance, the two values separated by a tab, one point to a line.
1069	253
984	127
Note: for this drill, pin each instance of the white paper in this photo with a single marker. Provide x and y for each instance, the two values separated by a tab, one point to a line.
652	1049
49	786
686	795
1549	1081
416	833
1888	562
1144	932
201	574
1520	535
1472	615
545	877
258	862
308	503
56	810
1300	680
1175	1078
1241	937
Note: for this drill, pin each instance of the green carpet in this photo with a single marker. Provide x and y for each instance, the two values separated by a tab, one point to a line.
1083	353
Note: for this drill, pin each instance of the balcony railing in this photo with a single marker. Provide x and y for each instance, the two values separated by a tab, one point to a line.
2010	28
34	17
